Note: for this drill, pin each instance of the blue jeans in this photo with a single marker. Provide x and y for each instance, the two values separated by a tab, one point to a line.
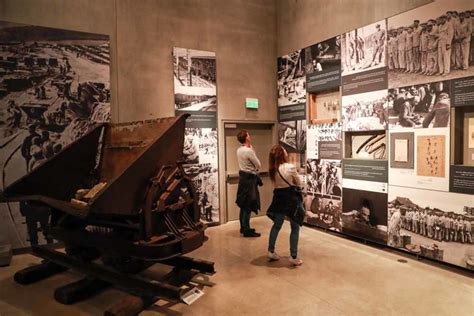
294	235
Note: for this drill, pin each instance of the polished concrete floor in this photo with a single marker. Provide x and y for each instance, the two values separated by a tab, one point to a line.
338	277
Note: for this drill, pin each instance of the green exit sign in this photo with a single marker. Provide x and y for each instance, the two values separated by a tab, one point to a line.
251	103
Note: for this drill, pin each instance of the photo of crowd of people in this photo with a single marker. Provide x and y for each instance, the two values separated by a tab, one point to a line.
205	180
54	86
432	42
364	48
200	145
194	80
291	80
365	111
439	225
324	177
420	106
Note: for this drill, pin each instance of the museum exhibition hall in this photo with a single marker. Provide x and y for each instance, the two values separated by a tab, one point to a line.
237	157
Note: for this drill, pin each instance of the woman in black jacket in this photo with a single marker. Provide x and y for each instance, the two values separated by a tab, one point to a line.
283	176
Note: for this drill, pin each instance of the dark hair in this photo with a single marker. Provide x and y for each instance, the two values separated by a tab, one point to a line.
242	136
276	157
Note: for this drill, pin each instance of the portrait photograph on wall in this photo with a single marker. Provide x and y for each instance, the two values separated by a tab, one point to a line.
54	87
364	214
194	80
420	106
437	226
431	43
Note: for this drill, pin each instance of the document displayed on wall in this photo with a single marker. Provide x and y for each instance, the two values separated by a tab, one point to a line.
427	153
292	127
323	65
437	226
324	141
55	85
423	42
324	191
420	106
291	79
195	92
401	150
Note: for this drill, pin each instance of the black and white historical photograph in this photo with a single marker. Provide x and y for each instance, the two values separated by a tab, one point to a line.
365	111
318	135
420	106
291	80
364	48
323	56
324	212
194	80
292	135
54	86
200	145
438	226
364	214
205	179
431	43
324	177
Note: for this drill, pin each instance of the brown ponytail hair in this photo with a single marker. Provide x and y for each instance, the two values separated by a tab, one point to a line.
276	158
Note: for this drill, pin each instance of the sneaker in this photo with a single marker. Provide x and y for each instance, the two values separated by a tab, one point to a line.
272	256
251	234
296	261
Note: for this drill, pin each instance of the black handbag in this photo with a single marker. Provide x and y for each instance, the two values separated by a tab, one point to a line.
298	215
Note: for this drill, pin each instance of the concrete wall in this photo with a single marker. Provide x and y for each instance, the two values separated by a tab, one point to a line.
301	23
242	33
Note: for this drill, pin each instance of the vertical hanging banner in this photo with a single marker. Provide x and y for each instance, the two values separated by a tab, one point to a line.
195	92
54	86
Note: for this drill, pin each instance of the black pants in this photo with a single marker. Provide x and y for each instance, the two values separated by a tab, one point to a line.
244	220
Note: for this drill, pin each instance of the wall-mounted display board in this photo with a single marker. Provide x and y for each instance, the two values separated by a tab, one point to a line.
324	141
195	92
420	158
292	127
323	193
437	226
54	86
462	136
324	107
323	65
404	110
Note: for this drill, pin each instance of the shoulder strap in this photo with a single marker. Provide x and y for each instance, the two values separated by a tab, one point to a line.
278	170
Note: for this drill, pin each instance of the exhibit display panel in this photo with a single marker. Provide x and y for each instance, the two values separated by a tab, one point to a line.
195	93
390	127
54	87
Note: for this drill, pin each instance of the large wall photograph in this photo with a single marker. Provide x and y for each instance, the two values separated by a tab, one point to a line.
195	93
437	226
54	86
431	43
